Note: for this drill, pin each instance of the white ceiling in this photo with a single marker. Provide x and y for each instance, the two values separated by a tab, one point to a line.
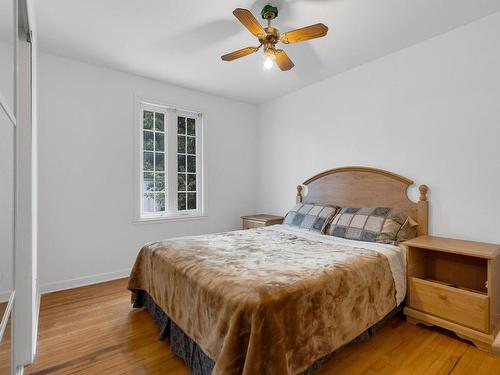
181	41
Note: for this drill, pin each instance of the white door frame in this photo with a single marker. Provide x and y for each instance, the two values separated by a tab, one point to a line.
25	314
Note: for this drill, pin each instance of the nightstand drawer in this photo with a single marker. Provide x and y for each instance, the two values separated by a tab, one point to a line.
248	224
460	306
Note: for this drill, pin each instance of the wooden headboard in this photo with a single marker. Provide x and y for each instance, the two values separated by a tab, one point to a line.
365	187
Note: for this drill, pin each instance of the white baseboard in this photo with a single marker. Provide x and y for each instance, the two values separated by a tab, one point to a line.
83	281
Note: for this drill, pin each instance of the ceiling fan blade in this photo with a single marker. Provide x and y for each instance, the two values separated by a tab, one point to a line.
305	33
239	53
282	60
249	21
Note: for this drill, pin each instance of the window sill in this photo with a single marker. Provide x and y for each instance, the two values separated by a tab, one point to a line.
163	219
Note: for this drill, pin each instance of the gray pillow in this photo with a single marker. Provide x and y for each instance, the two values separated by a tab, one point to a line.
311	217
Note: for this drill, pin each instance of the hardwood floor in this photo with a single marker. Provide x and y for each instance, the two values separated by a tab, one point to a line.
3	307
94	330
5	346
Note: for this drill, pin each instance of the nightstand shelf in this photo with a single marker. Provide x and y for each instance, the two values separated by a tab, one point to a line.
456	285
260	220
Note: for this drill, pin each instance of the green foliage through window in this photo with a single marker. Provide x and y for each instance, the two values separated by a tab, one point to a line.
153	137
186	164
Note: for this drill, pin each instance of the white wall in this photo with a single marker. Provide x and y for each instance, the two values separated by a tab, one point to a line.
86	135
430	112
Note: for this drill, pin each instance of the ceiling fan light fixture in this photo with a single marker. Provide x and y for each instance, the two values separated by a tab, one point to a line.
268	60
268	63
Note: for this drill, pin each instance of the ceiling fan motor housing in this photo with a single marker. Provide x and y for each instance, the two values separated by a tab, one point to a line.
269	12
272	36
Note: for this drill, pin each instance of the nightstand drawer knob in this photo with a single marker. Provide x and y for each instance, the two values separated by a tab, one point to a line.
442	296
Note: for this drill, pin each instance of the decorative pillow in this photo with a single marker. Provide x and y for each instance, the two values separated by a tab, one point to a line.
310	216
379	224
408	230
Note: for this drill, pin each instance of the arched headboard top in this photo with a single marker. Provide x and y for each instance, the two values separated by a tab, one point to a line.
366	187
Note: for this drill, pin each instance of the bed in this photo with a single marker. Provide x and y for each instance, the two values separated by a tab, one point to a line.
278	300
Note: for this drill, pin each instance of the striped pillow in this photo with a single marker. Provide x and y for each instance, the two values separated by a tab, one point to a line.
310	216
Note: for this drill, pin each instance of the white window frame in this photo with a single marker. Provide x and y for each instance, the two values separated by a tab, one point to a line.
171	112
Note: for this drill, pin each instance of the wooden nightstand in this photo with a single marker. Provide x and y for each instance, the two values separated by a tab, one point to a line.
455	284
260	220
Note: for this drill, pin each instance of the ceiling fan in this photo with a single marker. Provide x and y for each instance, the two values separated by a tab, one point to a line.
268	37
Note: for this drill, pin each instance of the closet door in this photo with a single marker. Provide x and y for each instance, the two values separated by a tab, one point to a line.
6	238
8	37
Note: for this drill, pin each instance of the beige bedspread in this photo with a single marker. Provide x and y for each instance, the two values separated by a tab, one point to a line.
262	301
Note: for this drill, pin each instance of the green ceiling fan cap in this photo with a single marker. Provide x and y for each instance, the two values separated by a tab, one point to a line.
269	12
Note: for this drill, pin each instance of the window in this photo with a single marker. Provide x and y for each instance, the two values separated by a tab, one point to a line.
186	163
153	140
170	162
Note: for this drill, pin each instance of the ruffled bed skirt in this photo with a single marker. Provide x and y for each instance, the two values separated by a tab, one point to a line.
197	361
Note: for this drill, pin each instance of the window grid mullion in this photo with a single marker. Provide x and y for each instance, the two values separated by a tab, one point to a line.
154	161
171	159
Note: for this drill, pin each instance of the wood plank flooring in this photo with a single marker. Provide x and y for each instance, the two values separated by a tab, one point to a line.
94	330
3	307
5	346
